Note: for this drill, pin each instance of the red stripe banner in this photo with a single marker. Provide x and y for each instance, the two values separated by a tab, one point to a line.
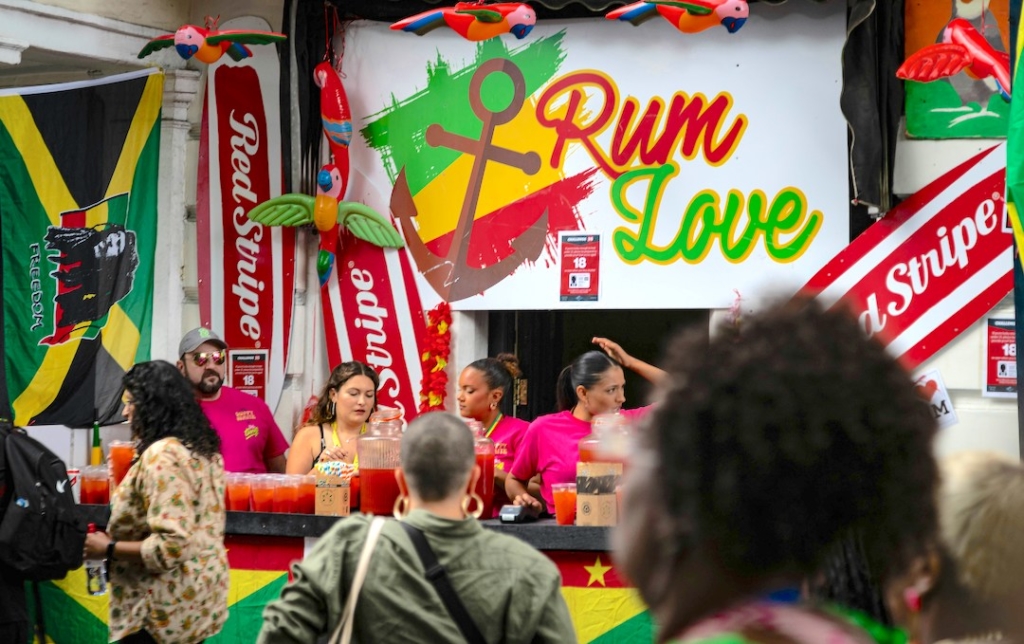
930	268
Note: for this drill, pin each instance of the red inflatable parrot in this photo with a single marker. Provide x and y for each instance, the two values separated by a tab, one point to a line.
208	44
474	20
335	118
688	16
962	49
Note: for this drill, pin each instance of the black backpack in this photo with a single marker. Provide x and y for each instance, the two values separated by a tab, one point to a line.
41	534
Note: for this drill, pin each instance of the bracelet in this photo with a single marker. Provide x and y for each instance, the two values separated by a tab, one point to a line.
110	551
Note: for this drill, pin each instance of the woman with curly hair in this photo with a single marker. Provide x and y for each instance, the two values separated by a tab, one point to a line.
339	417
766	450
164	544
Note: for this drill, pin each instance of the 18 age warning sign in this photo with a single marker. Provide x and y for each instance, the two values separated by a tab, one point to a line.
581	259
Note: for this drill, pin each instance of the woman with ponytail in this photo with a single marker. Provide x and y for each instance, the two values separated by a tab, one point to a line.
593	384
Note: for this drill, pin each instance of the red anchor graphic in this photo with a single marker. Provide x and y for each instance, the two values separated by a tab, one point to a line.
450	275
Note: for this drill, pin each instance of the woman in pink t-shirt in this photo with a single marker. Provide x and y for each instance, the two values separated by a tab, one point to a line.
483	387
593	384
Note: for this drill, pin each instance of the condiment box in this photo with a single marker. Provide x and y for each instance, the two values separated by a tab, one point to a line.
596	502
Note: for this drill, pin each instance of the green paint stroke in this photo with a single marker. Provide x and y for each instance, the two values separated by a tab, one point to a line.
398	131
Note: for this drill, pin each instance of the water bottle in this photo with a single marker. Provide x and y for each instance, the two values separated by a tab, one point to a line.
95	572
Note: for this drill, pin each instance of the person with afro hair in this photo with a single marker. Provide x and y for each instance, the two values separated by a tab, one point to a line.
768	446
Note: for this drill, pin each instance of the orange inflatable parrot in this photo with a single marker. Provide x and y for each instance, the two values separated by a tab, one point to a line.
688	16
474	20
208	44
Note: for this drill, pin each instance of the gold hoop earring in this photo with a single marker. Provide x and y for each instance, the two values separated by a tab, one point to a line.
401	508
473	497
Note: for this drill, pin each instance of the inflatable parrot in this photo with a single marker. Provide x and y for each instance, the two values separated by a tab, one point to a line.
474	20
335	118
207	44
327	212
688	16
962	49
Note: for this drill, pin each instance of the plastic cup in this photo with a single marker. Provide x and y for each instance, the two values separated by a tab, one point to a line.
262	486
306	500
565	503
95	482
238	491
286	493
120	456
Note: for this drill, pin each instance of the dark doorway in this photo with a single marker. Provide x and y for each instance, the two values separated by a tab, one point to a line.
546	341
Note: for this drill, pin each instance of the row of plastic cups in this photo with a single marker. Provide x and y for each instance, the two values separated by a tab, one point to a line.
283	493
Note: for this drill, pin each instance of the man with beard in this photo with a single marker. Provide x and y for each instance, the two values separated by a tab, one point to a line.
250	439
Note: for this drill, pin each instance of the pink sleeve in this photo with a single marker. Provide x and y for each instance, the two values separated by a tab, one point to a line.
637	414
525	464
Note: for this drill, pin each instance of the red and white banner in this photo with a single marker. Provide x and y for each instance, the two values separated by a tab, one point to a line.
932	266
246	269
372	313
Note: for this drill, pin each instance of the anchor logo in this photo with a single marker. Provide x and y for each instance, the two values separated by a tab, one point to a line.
450	275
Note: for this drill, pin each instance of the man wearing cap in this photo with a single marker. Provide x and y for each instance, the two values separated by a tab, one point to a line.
250	439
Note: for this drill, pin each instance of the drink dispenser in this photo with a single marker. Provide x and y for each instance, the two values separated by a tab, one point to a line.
484	448
378	453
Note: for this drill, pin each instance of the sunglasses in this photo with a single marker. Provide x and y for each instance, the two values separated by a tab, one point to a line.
218	357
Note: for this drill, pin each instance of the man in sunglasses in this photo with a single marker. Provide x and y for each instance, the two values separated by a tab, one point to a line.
250	439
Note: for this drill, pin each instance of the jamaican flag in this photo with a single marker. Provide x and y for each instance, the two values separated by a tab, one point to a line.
78	219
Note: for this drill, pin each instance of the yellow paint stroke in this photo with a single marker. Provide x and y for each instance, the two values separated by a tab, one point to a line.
440	202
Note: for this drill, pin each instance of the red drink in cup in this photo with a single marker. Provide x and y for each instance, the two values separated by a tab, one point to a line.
263	493
286	493
95	484
121	455
306	502
565	503
238	490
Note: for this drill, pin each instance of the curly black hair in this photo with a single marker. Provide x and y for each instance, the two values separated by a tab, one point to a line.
776	444
165	406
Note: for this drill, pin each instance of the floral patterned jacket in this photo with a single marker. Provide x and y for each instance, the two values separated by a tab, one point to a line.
172	501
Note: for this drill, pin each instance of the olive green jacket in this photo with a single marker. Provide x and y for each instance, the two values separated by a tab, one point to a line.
511	590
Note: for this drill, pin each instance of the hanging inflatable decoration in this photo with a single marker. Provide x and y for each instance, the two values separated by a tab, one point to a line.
962	48
688	16
327	212
335	118
207	44
474	20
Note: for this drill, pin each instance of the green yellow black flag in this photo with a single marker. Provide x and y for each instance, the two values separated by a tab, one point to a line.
78	217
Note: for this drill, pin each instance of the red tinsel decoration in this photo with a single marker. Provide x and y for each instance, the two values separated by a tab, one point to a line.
434	385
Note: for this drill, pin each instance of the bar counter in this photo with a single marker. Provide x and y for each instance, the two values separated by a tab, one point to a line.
543	534
262	546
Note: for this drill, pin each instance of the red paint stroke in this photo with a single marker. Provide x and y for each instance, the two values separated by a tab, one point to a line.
494	233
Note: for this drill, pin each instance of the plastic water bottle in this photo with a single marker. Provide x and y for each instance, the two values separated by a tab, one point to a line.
95	572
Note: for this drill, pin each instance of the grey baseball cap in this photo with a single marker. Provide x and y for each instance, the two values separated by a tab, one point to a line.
198	336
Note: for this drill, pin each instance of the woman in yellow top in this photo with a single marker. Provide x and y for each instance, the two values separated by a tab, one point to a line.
339	417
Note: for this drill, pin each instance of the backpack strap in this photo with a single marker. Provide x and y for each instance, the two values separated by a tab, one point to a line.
438	576
40	626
